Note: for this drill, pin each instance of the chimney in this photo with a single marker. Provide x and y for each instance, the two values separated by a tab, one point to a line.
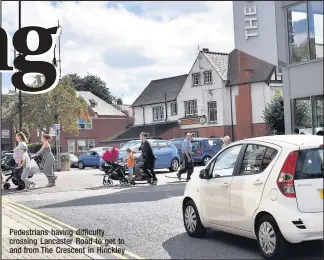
119	101
205	50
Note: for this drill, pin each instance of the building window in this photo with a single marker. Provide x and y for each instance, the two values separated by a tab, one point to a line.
191	108
195	134
91	143
82	146
195	79
174	108
212	111
71	146
317	107
208	77
305	31
158	113
83	124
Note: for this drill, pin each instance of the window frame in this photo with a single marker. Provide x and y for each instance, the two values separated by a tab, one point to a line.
73	146
86	123
193	81
195	104
209	110
161	113
174	108
287	9
88	143
84	146
206	74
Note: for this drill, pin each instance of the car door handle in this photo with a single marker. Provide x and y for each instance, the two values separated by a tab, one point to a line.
258	182
225	184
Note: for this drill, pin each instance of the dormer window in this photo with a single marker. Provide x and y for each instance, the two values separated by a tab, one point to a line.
195	79
93	103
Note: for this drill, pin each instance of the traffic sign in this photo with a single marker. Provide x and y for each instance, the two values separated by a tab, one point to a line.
57	127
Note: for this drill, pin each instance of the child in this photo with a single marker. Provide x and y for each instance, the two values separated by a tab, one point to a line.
130	164
26	164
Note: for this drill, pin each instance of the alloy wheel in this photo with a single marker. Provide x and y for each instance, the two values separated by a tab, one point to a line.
267	238
190	219
175	164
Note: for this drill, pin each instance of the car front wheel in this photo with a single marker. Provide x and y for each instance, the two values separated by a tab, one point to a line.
270	240
81	165
174	165
192	221
206	160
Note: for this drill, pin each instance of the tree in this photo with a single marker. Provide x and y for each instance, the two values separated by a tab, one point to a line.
39	110
129	119
273	113
94	84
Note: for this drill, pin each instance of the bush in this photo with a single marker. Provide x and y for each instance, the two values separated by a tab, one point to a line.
65	157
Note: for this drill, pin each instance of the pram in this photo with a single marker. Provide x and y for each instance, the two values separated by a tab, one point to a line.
11	165
116	172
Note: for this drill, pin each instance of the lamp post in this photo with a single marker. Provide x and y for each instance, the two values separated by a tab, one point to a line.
56	118
20	96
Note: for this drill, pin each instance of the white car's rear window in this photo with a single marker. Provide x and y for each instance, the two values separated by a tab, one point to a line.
310	164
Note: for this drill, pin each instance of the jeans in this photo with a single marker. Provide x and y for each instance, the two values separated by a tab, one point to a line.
149	168
130	173
189	166
24	177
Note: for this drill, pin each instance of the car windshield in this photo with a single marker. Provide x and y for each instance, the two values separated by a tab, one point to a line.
129	145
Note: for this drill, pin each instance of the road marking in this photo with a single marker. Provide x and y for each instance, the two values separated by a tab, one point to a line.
29	210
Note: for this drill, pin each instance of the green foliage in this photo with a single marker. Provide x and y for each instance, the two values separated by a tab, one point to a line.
93	84
40	110
65	157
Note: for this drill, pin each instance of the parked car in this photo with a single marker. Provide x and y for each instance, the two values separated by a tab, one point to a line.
4	158
102	149
268	188
166	153
74	161
90	159
203	149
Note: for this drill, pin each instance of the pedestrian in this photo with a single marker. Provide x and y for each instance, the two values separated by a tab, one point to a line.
25	165
130	164
148	157
320	132
17	156
226	141
48	158
296	131
188	162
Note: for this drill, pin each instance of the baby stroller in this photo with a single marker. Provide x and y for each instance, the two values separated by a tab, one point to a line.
114	170
11	165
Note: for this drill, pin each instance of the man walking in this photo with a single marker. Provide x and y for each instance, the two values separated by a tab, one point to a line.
188	163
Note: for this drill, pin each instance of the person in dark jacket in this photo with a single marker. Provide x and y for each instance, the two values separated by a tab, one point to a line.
148	157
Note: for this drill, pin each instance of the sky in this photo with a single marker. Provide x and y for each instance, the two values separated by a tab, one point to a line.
127	44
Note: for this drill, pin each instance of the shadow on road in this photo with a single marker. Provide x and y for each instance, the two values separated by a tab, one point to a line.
219	245
133	195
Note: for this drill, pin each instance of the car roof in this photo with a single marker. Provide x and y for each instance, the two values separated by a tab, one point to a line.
298	140
205	138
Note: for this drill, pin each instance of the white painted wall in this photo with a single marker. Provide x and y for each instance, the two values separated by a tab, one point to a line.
261	94
202	93
148	114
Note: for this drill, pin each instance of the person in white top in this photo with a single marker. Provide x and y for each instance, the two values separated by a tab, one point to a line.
226	141
26	165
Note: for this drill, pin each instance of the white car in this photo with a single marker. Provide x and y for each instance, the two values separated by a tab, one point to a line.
267	188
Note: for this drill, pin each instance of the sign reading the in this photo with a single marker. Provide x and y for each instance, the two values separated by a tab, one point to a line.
250	17
24	66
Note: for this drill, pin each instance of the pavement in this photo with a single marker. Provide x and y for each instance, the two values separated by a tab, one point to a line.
145	221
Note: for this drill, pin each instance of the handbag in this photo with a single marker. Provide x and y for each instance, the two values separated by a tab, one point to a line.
34	167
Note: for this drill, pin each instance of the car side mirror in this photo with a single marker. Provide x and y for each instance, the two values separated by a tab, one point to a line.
204	174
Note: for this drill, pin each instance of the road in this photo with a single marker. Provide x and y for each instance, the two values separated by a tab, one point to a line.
148	218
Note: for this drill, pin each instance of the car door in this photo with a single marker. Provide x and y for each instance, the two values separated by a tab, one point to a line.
96	158
247	186
164	154
155	148
86	158
215	203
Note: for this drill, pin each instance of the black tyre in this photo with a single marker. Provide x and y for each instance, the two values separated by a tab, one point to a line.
174	165
205	160
192	221
270	240
6	186
81	165
15	182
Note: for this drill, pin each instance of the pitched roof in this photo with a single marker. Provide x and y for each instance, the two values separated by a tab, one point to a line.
219	61
240	62
156	90
102	108
154	130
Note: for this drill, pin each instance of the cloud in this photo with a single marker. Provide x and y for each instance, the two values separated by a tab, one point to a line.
128	44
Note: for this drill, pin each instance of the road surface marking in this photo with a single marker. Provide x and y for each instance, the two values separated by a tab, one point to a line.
30	211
